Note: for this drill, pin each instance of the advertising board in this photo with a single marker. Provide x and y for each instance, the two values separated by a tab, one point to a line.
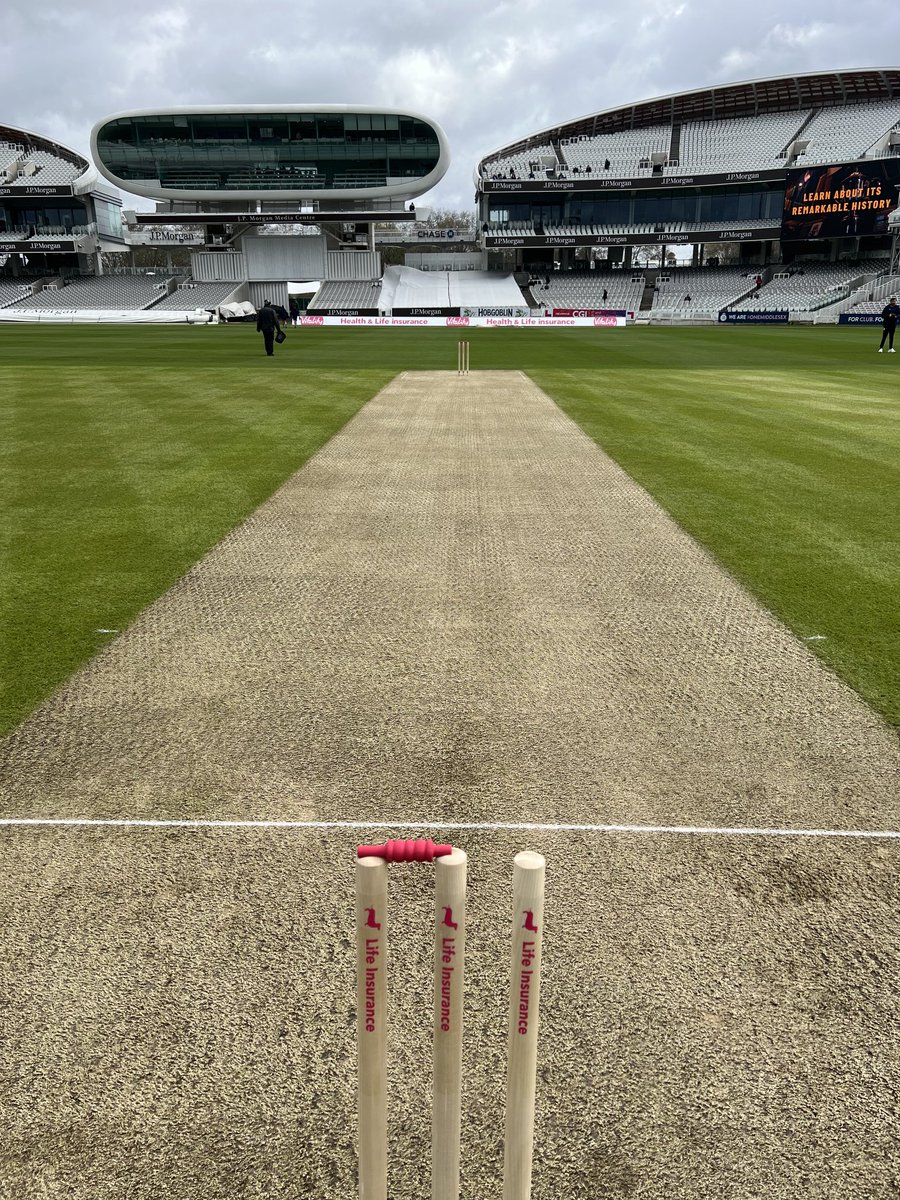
775	316
600	182
166	237
759	233
507	311
844	200
607	322
36	189
859	318
38	246
588	312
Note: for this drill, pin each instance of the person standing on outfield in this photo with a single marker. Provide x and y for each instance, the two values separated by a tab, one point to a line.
267	324
889	315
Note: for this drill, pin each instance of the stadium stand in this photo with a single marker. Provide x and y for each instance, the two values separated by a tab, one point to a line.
49	168
873	307
22	165
841	134
23	232
710	290
629	153
770	140
525	164
346	294
867	294
871	266
12	290
518	230
876	296
10	155
753	223
755	143
585	290
510	229
737	144
109	292
803	288
191	295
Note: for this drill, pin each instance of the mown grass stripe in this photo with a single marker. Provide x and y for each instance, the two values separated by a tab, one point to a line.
125	454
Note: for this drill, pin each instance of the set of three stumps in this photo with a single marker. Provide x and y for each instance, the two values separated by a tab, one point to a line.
449	967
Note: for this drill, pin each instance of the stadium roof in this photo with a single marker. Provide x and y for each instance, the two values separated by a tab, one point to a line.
750	98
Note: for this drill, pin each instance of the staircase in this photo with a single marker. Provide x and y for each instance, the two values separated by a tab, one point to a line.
675	144
790	151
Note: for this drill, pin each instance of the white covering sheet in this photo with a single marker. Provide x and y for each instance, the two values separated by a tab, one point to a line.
102	316
407	287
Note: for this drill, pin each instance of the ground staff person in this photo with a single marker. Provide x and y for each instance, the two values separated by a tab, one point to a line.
889	315
267	324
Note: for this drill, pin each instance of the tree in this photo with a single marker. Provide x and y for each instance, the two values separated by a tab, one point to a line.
452	218
647	256
440	218
149	258
725	252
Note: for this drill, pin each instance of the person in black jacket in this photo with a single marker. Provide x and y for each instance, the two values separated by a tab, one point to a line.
889	315
266	324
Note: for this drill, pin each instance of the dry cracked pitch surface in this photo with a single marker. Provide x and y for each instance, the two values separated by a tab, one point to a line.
459	610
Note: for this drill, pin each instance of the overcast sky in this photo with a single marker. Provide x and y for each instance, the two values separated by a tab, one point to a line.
488	72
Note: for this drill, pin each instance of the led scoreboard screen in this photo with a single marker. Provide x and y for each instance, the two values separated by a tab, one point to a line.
848	200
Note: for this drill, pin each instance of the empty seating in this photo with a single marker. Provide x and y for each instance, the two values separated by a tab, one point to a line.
767	141
50	168
523	164
871	307
737	144
803	287
628	152
692	291
880	289
12	290
119	292
585	289
517	230
842	134
352	293
9	156
773	223
190	296
878	283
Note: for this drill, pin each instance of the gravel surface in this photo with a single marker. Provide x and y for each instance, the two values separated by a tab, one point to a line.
459	610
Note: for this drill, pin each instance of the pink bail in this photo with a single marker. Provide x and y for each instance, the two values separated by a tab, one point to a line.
419	850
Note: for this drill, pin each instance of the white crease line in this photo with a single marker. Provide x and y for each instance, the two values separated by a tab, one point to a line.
533	827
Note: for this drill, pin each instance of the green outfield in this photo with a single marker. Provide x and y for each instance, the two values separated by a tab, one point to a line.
126	453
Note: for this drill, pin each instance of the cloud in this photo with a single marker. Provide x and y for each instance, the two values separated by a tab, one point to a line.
490	71
425	80
156	42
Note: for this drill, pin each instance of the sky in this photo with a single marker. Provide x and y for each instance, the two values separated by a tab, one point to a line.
488	72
